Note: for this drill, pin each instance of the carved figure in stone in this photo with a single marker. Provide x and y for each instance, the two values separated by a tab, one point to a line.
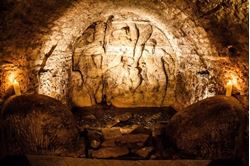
128	62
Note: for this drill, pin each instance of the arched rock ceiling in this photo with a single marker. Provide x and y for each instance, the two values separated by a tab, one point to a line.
153	54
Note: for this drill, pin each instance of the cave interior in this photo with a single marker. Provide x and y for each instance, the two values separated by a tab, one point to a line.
131	82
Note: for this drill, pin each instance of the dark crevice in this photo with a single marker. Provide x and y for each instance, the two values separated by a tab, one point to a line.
166	77
93	98
101	62
81	75
214	10
137	38
104	97
107	28
139	58
46	56
87	142
204	73
172	60
154	45
93	60
127	30
75	67
202	60
140	77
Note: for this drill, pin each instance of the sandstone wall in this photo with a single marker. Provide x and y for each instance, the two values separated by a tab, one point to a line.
133	53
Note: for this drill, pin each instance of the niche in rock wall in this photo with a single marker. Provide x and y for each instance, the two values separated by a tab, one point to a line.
123	61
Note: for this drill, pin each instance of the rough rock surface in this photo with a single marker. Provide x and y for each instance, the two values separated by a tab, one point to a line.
164	52
37	124
131	62
210	129
136	134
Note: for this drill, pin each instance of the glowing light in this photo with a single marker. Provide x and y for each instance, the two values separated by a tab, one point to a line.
229	88
234	80
15	84
11	78
16	88
231	83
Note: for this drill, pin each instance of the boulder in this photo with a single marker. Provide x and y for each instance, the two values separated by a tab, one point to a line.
37	124
210	129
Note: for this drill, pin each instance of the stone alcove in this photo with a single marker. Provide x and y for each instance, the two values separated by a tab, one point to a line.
132	60
125	59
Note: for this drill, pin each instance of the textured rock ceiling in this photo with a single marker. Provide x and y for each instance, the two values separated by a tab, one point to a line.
134	53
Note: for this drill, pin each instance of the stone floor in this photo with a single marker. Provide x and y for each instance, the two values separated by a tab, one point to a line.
67	161
42	160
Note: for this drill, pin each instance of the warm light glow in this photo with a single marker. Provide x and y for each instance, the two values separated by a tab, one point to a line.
15	84
229	88
231	83
12	78
16	87
234	80
232	77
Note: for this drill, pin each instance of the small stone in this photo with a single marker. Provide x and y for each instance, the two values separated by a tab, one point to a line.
112	123
123	117
110	152
132	138
153	117
111	133
109	143
95	144
128	129
144	152
90	117
153	157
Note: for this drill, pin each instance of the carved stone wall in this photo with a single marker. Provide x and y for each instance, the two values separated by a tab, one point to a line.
150	53
126	62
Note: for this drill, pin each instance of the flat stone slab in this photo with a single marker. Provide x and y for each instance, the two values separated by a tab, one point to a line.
66	161
110	152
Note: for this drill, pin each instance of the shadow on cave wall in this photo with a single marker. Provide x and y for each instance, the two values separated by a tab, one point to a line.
228	23
24	19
